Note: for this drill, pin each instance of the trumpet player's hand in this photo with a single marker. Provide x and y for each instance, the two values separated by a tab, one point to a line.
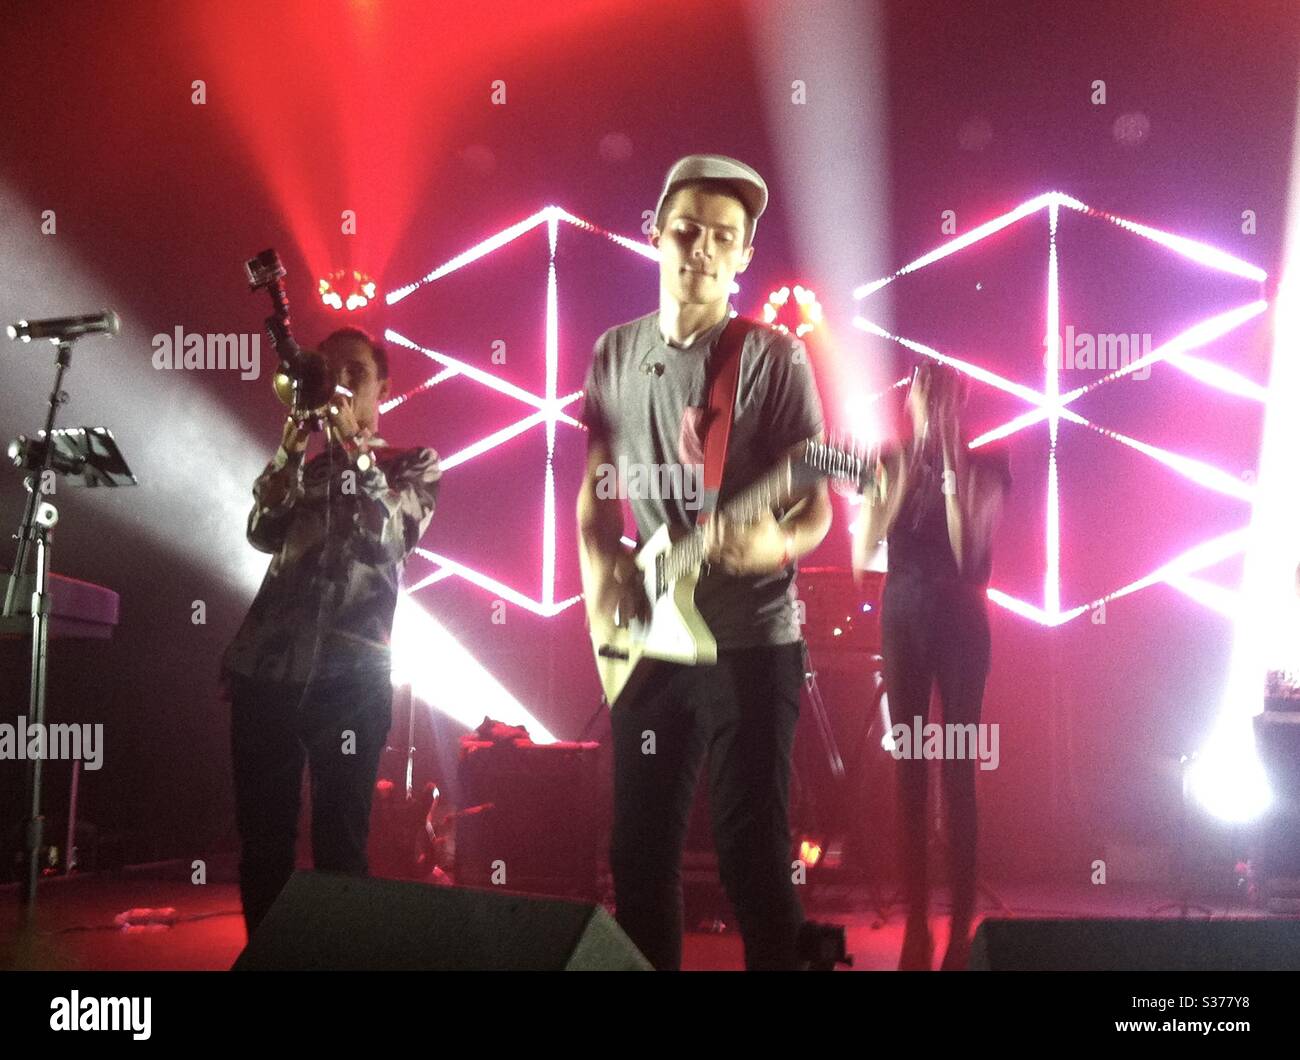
295	436
344	419
276	486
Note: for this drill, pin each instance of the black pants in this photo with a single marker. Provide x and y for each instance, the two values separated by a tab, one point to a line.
741	714
340	729
935	631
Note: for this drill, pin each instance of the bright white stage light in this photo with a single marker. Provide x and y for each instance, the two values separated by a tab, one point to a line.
1228	778
194	459
443	674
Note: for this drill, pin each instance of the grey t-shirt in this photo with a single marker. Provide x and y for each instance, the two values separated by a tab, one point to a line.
645	398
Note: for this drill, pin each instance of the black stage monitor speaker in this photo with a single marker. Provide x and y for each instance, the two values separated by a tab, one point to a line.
1136	945
327	921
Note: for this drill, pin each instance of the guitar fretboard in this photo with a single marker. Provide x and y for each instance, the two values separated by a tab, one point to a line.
775	488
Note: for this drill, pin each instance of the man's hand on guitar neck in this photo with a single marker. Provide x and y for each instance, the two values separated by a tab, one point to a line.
769	545
763	547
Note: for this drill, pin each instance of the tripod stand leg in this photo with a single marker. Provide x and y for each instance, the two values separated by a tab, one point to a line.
35	830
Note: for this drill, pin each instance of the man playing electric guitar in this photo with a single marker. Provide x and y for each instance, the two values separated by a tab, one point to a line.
646	402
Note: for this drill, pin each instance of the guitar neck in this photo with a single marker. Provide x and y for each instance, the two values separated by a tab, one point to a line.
687	555
775	488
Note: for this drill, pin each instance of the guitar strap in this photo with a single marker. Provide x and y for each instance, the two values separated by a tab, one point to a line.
723	384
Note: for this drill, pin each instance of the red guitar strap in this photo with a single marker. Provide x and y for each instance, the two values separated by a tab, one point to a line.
724	382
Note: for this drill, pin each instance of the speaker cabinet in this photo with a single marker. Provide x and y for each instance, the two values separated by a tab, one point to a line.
327	921
1136	945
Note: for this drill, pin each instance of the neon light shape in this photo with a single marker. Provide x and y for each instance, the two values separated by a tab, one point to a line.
1051	405
547	409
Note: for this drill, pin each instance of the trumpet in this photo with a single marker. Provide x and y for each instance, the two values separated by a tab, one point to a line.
306	384
304	381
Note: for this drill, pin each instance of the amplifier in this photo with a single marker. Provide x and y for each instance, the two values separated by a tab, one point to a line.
530	821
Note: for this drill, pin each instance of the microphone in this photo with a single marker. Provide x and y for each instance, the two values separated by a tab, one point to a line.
60	329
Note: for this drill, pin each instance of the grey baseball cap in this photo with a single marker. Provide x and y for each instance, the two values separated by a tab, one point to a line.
749	185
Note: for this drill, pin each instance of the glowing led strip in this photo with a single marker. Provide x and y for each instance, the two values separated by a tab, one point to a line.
548	214
484	581
1201	253
1215	597
1176	572
988	228
1203	474
644	249
492	441
429	579
1052	575
547	404
495	242
428	384
1199	334
983	375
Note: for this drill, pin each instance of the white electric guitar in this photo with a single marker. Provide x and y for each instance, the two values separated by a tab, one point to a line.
670	565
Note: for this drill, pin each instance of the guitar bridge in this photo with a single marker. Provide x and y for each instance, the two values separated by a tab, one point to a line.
608	651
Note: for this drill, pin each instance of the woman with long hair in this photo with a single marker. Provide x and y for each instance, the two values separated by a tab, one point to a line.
935	503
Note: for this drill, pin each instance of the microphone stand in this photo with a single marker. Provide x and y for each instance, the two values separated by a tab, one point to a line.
39	517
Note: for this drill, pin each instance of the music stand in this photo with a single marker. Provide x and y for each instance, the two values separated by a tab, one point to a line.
83	456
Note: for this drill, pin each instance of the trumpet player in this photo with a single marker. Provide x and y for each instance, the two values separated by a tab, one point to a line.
308	674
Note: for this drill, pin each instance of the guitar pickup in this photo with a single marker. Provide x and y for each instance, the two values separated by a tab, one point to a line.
608	651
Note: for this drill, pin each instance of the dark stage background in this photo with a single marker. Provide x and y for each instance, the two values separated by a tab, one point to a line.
386	109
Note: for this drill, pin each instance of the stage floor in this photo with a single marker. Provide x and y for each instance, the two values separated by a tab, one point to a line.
76	927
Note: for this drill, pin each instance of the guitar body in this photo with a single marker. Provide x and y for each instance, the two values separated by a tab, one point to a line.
675	633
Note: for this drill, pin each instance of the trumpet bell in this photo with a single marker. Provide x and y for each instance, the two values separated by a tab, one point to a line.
306	384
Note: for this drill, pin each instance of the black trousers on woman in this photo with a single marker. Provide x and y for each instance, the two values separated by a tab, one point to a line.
338	728
741	715
935	630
